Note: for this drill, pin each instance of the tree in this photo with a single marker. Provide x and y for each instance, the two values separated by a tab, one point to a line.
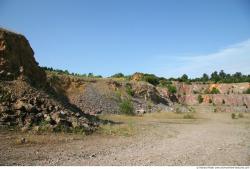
184	78
215	77
118	75
205	77
90	75
222	74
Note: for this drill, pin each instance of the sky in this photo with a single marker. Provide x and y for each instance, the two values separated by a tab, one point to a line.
164	37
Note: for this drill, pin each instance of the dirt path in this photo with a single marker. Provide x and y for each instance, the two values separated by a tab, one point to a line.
215	139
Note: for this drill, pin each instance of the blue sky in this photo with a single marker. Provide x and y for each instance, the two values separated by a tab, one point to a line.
164	37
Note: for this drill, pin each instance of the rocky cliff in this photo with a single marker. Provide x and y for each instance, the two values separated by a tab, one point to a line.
17	59
26	100
96	96
228	97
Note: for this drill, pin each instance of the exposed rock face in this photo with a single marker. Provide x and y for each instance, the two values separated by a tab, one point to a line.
105	95
230	98
17	59
23	103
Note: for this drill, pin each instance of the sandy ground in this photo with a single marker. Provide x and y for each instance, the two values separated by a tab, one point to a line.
214	139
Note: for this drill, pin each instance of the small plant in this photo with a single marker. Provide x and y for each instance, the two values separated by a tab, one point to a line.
126	107
130	91
171	89
188	116
200	99
214	91
233	115
195	92
247	91
215	110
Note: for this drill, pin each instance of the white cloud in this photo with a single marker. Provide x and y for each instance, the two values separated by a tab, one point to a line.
235	58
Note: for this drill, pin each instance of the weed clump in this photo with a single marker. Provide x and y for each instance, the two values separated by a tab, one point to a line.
233	115
188	116
126	107
200	99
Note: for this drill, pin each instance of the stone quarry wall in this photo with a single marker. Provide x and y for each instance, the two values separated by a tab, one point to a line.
17	59
26	101
230	98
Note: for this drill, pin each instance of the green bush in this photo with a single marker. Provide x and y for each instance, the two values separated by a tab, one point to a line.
214	91
126	107
152	79
130	91
171	89
247	91
200	99
233	115
118	75
188	116
165	83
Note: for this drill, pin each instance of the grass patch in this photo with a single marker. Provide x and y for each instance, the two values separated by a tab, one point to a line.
43	139
188	116
125	130
126	107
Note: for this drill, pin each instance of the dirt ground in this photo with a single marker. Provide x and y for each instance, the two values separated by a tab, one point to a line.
210	139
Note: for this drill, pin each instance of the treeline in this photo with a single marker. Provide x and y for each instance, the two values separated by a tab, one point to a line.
66	72
215	77
218	77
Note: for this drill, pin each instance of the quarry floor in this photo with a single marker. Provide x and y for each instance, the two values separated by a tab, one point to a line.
160	139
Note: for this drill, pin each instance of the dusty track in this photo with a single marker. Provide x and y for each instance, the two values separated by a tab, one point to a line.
215	139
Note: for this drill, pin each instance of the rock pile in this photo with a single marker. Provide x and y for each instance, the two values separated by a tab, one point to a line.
33	109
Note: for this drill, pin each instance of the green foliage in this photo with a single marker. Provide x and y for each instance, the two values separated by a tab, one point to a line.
126	107
205	77
247	91
184	78
66	72
171	89
165	83
130	91
118	75
233	115
200	99
188	116
152	79
214	91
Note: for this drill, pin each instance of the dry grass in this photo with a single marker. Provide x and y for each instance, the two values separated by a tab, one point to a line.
125	130
42	139
130	125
